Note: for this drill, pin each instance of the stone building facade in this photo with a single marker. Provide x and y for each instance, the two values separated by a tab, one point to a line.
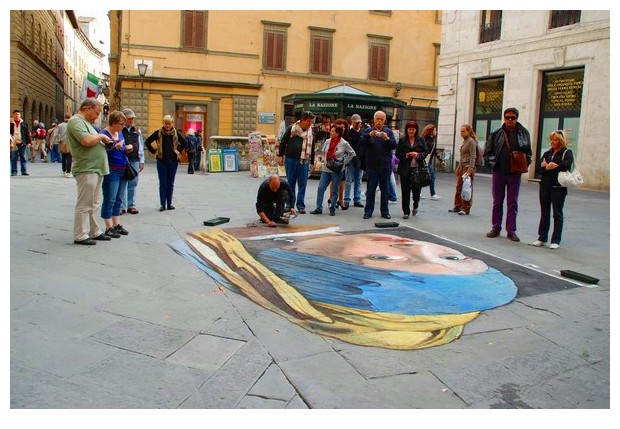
554	66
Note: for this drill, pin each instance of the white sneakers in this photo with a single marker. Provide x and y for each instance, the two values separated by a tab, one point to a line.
539	243
435	197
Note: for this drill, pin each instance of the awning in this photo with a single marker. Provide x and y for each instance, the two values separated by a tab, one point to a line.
343	101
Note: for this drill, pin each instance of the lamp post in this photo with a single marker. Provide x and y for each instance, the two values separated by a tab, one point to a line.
142	68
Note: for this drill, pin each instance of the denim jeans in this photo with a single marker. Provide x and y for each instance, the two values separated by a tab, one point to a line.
166	173
19	153
381	177
54	154
431	169
354	178
128	198
392	195
297	175
326	178
505	185
114	186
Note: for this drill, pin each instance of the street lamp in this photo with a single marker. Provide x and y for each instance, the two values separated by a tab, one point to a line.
142	68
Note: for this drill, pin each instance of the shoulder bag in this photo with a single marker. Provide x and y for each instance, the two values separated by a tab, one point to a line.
334	164
420	176
570	179
130	172
518	159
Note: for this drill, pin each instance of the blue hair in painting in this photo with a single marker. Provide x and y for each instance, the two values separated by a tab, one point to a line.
346	284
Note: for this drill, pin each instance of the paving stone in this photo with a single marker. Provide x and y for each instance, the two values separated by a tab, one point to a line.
40	390
538	365
144	338
326	380
206	352
163	309
256	402
60	315
230	325
273	385
296	404
284	339
227	387
162	384
580	388
475	383
420	390
57	353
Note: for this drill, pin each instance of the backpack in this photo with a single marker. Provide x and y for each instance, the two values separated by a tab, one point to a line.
40	133
479	155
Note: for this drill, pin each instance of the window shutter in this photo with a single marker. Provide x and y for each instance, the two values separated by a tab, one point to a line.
199	31
188	26
279	51
381	63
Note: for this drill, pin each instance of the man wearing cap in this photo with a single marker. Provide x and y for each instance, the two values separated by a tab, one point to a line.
133	136
297	146
353	170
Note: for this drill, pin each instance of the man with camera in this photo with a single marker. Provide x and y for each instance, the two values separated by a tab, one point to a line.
90	164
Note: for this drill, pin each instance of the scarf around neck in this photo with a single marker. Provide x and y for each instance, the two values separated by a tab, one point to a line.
331	152
306	146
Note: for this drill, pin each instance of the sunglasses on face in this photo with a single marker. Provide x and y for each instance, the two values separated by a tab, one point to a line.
510	118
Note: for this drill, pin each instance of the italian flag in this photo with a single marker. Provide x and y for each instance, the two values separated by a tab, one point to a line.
90	89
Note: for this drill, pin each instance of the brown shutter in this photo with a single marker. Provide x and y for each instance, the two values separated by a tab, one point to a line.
188	26
199	31
279	51
382	63
326	56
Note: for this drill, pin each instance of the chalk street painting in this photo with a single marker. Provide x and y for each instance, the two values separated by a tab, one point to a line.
368	288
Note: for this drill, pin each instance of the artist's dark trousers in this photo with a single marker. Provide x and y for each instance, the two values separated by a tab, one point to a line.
274	205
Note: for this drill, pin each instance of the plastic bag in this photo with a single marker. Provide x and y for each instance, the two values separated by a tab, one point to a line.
466	189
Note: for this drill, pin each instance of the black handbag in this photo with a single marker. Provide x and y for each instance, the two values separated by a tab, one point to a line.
130	172
335	164
420	176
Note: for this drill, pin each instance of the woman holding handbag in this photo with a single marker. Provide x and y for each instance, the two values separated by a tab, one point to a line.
552	194
467	168
115	183
338	153
410	151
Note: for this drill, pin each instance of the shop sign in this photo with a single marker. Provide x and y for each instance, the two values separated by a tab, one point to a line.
322	107
266	118
355	107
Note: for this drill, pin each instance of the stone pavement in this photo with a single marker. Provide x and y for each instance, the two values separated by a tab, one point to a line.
130	324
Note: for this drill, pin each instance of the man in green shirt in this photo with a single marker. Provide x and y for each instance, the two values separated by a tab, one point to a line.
90	164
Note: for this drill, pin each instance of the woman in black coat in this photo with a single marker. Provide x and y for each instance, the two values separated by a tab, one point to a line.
410	151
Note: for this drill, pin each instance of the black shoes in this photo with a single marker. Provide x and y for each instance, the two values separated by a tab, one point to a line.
102	237
162	208
332	212
132	210
301	211
170	207
386	216
85	242
25	174
119	229
513	237
358	204
366	216
281	221
111	232
456	210
316	211
123	211
493	233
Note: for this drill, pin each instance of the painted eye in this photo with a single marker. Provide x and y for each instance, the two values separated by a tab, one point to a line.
453	257
387	258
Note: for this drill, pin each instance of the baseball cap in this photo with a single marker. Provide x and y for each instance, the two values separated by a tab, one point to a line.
129	113
356	118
